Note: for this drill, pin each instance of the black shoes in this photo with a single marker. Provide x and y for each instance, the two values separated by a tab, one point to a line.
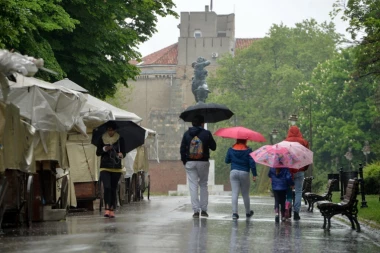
277	218
296	216
196	215
235	216
250	214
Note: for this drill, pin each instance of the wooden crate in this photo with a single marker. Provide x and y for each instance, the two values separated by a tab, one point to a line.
85	190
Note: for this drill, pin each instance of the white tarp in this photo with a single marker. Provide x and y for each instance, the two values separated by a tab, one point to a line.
16	140
84	163
152	136
49	107
137	159
52	146
94	104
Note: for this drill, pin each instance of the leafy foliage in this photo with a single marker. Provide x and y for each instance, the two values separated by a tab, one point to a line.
25	22
343	112
363	17
90	41
121	97
96	54
257	84
372	178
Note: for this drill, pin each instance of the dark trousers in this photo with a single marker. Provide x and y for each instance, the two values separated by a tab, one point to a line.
110	181
279	200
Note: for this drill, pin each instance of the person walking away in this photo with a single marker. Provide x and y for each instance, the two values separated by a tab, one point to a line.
289	202
111	150
241	163
281	180
195	153
295	135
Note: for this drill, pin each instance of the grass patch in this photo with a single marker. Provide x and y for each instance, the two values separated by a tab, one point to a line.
370	214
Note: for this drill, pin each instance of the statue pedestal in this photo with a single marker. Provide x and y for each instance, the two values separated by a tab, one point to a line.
213	189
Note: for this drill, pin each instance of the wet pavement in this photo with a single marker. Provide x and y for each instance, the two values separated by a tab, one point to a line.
164	224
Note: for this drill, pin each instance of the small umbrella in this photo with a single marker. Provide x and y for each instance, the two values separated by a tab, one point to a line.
272	156
283	155
133	134
240	133
210	111
303	154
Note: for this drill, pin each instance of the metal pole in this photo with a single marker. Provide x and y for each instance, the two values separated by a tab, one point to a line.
341	183
311	137
364	202
311	129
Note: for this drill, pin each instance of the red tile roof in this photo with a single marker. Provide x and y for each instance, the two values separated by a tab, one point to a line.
165	56
168	55
244	43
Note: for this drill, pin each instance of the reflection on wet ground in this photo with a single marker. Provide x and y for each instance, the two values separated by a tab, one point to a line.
164	224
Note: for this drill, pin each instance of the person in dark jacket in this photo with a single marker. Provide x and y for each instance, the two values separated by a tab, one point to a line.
241	163
281	180
111	150
295	135
195	153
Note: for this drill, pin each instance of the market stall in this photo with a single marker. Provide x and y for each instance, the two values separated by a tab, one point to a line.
47	113
84	164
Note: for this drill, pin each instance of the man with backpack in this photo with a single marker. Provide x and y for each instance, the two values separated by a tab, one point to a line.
195	153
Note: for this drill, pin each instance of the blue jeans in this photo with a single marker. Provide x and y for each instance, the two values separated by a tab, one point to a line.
298	182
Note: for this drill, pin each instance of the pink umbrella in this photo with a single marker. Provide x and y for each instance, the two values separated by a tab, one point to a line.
274	156
240	133
303	154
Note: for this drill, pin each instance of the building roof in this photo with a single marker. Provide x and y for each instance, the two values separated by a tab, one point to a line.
168	55
165	56
244	43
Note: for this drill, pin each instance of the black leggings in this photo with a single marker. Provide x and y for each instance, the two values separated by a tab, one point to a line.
110	181
279	199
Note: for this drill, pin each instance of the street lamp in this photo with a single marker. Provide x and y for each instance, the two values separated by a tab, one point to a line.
366	151
349	156
273	134
293	119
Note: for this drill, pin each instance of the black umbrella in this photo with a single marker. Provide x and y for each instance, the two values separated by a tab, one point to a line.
133	134
210	111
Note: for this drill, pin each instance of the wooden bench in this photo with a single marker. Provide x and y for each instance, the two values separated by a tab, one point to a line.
306	187
348	206
313	197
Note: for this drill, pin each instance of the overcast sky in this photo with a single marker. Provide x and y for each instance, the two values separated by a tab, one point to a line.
253	18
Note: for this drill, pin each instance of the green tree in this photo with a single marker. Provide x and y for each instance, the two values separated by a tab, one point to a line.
121	97
364	26
96	54
24	22
257	84
363	17
343	112
90	41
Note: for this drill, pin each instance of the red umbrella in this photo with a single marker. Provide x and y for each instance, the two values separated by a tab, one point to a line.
240	133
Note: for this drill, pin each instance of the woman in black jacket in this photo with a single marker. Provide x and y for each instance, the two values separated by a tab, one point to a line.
111	150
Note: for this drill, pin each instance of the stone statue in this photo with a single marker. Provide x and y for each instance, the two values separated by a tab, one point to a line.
199	86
